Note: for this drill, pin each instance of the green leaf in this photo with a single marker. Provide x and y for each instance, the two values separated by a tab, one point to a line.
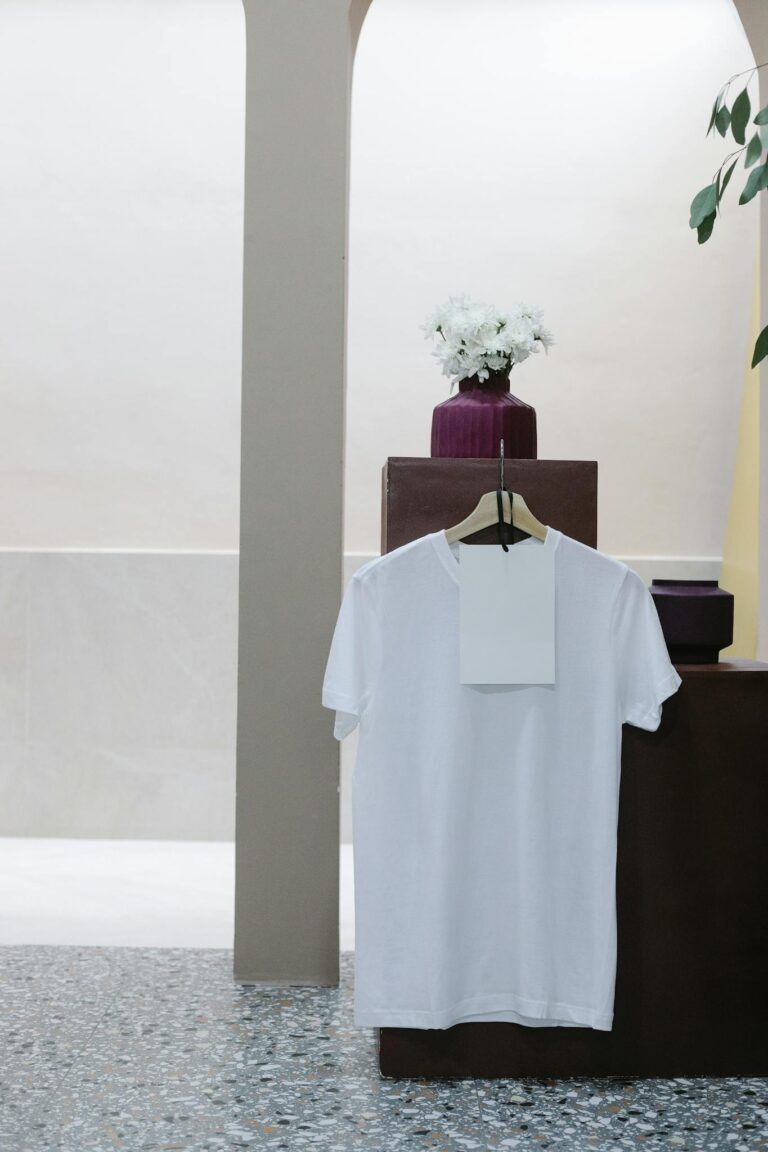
740	116
716	107
712	118
761	347
762	116
722	120
758	179
702	204
704	229
726	178
754	148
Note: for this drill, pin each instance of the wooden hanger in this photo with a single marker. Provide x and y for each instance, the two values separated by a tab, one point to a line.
486	513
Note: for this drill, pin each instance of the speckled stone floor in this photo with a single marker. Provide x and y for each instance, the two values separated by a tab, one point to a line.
140	1048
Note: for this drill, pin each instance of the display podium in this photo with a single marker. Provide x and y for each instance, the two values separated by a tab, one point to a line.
692	866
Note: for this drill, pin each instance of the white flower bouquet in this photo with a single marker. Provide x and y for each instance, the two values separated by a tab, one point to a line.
478	339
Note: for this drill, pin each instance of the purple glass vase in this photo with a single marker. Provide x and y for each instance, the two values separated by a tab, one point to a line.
473	422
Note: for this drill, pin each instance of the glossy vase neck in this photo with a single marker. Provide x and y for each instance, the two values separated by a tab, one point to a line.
496	382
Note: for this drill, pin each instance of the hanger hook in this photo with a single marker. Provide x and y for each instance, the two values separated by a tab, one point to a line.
502	527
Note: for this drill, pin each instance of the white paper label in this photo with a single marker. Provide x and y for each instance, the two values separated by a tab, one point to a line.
507	614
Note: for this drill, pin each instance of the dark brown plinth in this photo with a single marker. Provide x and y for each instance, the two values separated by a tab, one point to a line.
692	870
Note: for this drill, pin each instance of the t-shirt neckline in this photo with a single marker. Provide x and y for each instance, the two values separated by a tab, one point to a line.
451	564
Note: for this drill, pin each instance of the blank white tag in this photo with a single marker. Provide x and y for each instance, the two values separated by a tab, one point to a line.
506	614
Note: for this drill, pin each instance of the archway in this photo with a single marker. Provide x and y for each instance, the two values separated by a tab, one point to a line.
297	157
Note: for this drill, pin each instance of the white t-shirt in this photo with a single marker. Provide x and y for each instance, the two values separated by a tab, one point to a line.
485	816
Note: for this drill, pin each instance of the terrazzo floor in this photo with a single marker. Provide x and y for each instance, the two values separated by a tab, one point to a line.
158	1048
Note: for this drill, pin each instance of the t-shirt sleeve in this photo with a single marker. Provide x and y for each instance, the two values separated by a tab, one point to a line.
644	672
354	656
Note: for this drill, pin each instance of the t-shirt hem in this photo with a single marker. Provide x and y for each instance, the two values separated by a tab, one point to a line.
545	1013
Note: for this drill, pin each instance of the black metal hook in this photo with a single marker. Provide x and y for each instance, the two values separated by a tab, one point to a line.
502	524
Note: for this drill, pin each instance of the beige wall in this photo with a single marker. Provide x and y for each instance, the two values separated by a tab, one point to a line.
740	567
121	250
121	321
121	195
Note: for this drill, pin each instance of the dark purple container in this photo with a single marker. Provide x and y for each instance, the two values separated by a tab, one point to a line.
473	422
696	619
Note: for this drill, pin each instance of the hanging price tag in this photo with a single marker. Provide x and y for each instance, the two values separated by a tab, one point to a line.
507	613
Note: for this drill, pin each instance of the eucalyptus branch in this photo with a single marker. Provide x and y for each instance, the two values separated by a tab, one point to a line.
728	157
705	206
736	75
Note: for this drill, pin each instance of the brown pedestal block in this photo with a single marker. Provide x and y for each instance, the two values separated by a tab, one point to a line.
421	494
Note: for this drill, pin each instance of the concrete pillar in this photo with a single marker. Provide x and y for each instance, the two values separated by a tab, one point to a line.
299	64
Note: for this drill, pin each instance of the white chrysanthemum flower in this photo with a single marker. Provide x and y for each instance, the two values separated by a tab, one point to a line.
543	336
475	339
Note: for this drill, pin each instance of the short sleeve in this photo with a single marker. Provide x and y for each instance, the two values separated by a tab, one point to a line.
645	675
354	655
